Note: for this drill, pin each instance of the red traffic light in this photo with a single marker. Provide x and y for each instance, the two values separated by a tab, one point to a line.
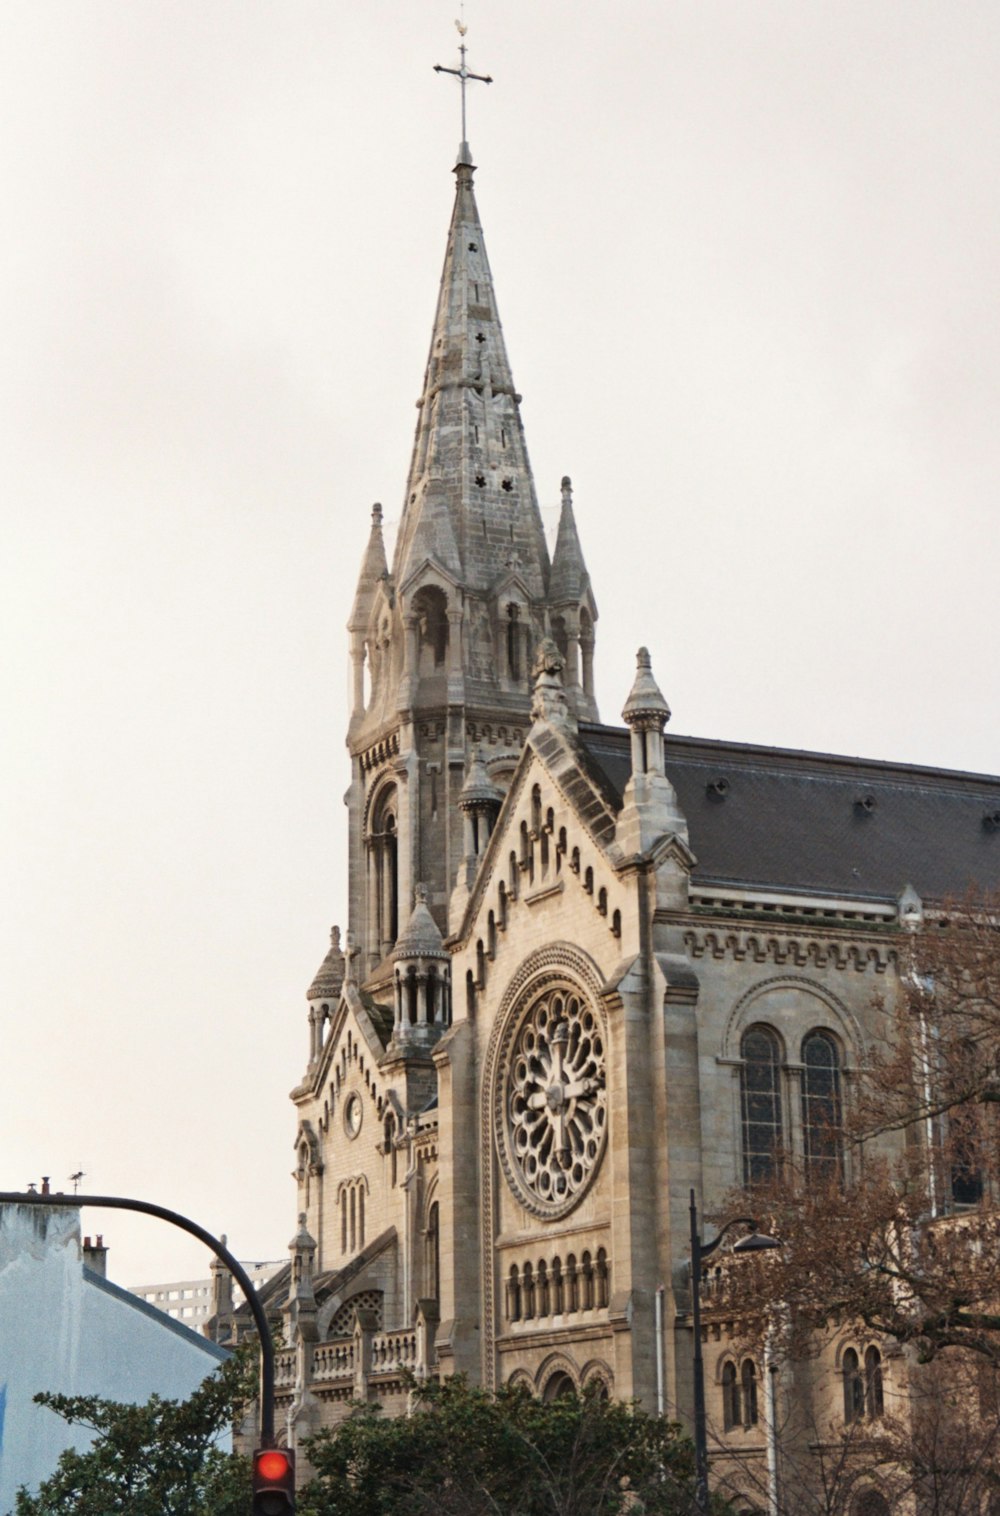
273	1482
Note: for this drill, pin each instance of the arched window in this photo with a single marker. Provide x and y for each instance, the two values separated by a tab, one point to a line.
854	1389
558	1387
514	1294
383	873
748	1376
874	1400
730	1397
587	1275
572	1283
870	1503
542	1289
821	1107
431	608
603	1278
558	1299
761	1103
434	1251
390	1146
528	1292
514	641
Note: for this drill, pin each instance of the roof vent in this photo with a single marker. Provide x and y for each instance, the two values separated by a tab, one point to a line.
991	821
717	789
864	805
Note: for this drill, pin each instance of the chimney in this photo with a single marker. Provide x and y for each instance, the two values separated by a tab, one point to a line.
95	1256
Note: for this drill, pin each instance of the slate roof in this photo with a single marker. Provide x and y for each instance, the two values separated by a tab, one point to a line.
793	820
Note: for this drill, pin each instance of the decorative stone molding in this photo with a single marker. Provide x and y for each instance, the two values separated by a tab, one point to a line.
743	1012
761	947
380	752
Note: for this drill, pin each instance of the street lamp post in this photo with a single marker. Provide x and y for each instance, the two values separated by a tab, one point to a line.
755	1243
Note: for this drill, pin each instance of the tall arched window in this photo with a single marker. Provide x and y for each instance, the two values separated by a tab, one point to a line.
730	1397
854	1389
874	1399
431	608
383	873
434	1252
761	1103
821	1107
748	1376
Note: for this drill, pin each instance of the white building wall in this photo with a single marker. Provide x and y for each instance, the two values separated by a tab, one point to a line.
65	1330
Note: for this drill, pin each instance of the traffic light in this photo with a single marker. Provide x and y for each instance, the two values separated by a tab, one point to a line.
273	1482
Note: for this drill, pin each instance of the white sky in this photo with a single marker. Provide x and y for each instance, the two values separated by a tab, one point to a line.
746	255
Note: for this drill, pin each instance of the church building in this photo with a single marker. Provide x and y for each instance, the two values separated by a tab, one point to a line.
587	968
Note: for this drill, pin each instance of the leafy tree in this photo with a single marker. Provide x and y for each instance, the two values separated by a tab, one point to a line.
466	1453
157	1459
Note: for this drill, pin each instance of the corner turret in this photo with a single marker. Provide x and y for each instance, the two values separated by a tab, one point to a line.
650	810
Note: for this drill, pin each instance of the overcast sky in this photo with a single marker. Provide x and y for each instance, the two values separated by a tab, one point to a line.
747	258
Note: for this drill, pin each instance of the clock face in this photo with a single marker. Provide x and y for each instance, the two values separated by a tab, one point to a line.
352	1115
553	1117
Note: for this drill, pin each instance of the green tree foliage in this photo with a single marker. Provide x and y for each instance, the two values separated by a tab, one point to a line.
157	1459
465	1453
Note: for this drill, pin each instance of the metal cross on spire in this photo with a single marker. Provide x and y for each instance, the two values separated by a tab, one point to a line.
462	73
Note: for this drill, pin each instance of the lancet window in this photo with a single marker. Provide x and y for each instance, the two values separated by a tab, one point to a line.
761	1103
430	605
383	872
821	1106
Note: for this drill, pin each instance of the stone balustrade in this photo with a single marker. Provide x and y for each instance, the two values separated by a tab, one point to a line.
284	1368
395	1350
333	1360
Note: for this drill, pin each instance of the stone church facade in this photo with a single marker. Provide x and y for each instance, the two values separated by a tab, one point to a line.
588	968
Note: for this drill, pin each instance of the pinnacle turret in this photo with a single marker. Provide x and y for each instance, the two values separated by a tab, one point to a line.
374	569
570	580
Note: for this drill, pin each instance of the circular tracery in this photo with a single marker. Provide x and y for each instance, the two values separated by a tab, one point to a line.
554	1113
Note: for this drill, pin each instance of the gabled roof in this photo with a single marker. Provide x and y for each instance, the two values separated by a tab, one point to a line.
818	822
143	1307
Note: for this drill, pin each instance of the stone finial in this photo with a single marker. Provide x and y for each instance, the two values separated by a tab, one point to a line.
547	659
645	707
350	964
302	1241
549	703
910	908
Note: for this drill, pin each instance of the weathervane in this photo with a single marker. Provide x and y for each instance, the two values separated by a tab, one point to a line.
462	73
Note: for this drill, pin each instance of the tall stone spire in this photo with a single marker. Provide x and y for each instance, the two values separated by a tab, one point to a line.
443	644
470	498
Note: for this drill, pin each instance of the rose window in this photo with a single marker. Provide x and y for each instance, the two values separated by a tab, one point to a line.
554	1119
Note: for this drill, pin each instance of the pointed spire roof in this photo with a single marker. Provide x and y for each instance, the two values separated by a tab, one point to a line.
570	580
420	937
329	978
478	788
373	568
470	495
645	703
